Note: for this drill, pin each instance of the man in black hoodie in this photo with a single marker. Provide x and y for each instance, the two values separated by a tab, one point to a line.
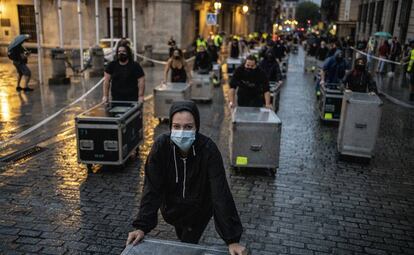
186	180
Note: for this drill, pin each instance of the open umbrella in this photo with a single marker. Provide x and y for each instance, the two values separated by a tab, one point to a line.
383	34
17	41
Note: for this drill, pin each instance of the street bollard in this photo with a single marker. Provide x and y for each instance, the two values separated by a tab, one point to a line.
58	67
97	56
147	54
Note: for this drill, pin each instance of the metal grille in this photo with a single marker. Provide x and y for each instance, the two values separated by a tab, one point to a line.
27	21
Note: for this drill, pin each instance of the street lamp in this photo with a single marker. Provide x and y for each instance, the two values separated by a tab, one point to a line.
245	9
217	5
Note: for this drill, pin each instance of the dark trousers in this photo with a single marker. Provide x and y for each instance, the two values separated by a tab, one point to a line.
192	234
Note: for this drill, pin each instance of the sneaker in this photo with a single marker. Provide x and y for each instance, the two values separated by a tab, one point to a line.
19	88
27	89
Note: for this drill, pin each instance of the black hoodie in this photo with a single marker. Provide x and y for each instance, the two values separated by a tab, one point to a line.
187	190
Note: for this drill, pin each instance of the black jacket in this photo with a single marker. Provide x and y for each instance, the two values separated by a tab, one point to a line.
184	190
202	62
360	82
272	70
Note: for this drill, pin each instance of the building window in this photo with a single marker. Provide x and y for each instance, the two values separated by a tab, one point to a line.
27	21
371	16
404	18
378	18
393	14
360	17
197	22
117	12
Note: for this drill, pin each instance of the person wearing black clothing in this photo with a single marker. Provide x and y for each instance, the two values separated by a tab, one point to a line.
212	51
125	77
19	56
359	79
235	48
252	86
178	67
322	52
185	179
271	67
334	47
202	62
279	50
395	53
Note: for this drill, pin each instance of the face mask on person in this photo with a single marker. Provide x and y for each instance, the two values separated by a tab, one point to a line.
360	68
183	138
269	57
122	57
339	58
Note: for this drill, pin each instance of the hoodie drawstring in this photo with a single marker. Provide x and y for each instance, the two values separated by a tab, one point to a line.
185	175
176	168
185	169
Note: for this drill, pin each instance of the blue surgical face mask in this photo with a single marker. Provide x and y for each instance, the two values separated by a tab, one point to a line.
183	138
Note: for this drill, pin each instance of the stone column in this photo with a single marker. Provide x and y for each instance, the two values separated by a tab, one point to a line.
165	18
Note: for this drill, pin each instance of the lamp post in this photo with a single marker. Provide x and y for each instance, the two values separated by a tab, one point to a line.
217	6
245	9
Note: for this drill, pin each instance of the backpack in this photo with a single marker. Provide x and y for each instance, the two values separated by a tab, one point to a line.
12	55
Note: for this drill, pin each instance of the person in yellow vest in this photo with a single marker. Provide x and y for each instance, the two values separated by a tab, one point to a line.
218	40
200	42
410	69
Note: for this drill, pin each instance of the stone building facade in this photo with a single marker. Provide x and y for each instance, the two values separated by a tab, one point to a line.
156	21
393	16
347	18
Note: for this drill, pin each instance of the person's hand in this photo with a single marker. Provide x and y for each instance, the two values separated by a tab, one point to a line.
105	99
280	82
232	105
141	99
322	82
135	237
269	106
190	82
237	249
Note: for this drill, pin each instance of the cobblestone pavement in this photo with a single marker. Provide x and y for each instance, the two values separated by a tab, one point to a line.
316	204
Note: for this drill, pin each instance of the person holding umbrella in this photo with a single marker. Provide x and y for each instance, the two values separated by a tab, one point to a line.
18	54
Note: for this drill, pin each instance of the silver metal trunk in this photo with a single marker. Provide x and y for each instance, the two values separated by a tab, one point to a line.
359	125
255	138
275	94
202	88
232	64
163	247
166	94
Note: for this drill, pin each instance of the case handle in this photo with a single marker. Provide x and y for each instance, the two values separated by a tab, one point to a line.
361	125
255	147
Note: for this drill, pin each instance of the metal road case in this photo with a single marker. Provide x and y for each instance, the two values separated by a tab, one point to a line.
202	88
255	138
330	102
275	94
360	121
217	71
108	134
167	93
310	64
162	247
232	64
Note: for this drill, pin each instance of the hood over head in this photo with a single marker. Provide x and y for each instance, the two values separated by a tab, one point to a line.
188	106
